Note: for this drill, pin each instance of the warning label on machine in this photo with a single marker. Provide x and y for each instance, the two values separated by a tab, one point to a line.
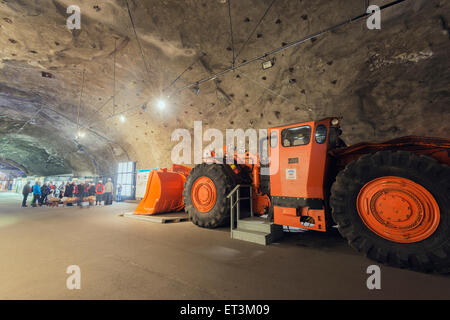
291	174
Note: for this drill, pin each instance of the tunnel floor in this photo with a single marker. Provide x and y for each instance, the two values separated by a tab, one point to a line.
122	258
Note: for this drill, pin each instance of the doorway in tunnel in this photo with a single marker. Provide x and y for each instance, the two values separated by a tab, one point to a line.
125	186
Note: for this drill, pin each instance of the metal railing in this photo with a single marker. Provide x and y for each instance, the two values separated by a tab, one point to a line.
237	203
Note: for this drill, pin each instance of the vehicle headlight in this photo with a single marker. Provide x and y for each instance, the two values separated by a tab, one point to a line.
321	133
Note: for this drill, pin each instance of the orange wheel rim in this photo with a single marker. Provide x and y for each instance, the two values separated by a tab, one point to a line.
398	209
203	194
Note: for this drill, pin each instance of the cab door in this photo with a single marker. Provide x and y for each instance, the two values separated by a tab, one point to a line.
298	156
293	149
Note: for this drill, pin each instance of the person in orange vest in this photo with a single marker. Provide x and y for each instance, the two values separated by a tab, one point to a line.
74	189
99	191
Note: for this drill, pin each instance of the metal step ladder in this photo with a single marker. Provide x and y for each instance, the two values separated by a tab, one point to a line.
251	229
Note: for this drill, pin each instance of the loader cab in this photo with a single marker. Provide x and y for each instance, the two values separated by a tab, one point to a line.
298	159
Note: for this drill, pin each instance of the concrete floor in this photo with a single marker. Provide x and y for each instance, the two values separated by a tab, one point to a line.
122	258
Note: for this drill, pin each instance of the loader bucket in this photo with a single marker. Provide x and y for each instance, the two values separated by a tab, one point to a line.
163	194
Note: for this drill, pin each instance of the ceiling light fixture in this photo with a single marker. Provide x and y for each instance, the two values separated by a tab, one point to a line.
197	90
122	119
267	64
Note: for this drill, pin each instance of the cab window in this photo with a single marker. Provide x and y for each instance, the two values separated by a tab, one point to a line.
298	136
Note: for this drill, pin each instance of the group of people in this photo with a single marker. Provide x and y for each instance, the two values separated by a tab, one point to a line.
41	194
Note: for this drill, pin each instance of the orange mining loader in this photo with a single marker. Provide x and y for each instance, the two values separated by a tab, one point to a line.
390	200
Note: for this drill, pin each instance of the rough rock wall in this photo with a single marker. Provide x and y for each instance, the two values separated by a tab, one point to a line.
383	83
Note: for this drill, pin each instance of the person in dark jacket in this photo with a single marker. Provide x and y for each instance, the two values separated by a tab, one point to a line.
45	191
68	191
25	192
71	190
86	189
80	194
91	191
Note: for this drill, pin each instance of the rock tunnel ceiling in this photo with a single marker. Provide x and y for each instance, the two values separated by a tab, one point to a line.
383	83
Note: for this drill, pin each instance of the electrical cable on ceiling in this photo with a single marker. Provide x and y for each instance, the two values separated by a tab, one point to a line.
89	126
274	93
122	112
285	47
99	108
231	32
264	87
181	74
79	105
32	68
114	76
137	38
254	29
31	119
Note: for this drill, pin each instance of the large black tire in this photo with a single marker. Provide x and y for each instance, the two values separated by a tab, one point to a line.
430	254
219	215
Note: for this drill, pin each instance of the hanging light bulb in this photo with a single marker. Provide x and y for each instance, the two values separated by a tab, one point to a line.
161	104
80	134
